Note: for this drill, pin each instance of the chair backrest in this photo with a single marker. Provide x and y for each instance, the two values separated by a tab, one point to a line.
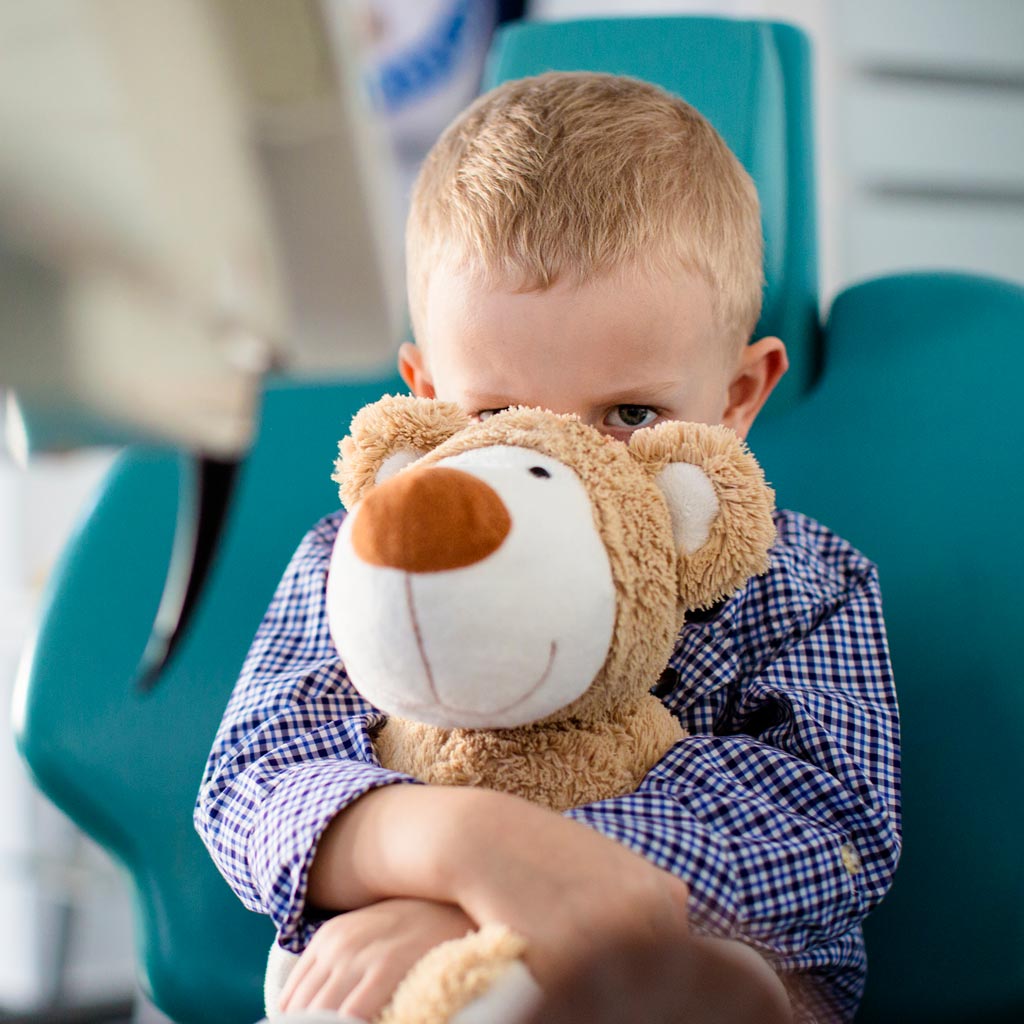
126	766
752	80
911	447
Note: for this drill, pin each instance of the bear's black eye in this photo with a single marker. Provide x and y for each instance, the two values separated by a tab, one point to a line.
539	471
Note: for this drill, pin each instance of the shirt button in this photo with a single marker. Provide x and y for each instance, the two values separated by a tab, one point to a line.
851	859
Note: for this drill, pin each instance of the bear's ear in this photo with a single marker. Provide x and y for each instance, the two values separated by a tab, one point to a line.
387	436
720	505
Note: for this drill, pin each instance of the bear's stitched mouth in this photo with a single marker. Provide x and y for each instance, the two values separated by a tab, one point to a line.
438	702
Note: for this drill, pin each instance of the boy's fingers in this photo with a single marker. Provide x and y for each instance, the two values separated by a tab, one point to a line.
292	982
306	990
370	995
333	990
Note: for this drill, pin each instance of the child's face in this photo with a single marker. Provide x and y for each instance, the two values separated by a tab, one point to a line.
621	352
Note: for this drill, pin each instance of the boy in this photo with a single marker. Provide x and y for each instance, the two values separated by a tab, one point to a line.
588	244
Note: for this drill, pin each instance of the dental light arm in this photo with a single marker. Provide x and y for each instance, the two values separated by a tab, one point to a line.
190	197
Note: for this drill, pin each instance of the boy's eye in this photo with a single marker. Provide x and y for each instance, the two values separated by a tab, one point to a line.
486	414
631	416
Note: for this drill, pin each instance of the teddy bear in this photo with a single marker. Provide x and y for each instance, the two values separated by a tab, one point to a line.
507	592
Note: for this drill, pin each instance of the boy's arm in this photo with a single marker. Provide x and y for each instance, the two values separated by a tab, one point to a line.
292	750
782	810
503	860
607	929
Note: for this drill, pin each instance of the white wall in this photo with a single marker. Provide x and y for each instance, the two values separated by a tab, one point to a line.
932	135
919	127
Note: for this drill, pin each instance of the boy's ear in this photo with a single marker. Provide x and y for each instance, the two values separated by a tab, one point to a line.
720	505
413	368
387	436
761	366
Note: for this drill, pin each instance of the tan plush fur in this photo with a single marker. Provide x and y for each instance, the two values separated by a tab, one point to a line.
602	744
384	428
452	975
559	764
742	534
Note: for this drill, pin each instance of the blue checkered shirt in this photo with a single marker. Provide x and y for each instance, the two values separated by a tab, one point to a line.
781	810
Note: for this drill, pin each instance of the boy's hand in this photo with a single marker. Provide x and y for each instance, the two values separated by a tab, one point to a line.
356	960
699	981
563	886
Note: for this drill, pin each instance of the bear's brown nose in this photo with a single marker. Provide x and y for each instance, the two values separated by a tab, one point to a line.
428	520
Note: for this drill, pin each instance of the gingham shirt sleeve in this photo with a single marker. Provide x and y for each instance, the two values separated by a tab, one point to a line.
293	749
781	811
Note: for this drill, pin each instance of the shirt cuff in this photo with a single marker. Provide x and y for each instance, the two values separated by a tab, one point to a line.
291	821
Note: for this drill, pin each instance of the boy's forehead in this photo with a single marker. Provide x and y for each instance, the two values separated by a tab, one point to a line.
635	321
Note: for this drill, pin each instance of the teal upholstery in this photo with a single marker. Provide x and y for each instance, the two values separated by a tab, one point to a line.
910	446
908	443
126	766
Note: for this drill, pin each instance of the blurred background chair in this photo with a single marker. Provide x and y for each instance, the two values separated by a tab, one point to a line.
895	427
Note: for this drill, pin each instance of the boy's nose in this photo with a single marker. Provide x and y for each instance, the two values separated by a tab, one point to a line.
428	520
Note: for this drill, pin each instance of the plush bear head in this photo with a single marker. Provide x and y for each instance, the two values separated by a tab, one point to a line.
526	569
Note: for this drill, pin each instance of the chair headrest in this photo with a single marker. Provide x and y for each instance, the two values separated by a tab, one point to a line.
751	79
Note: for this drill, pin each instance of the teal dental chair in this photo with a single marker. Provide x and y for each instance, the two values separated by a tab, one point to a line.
897	426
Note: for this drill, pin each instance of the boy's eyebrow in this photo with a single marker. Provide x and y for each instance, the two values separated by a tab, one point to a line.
486	400
631	394
638	394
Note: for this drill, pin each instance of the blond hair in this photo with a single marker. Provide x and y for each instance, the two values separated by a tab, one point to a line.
570	175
